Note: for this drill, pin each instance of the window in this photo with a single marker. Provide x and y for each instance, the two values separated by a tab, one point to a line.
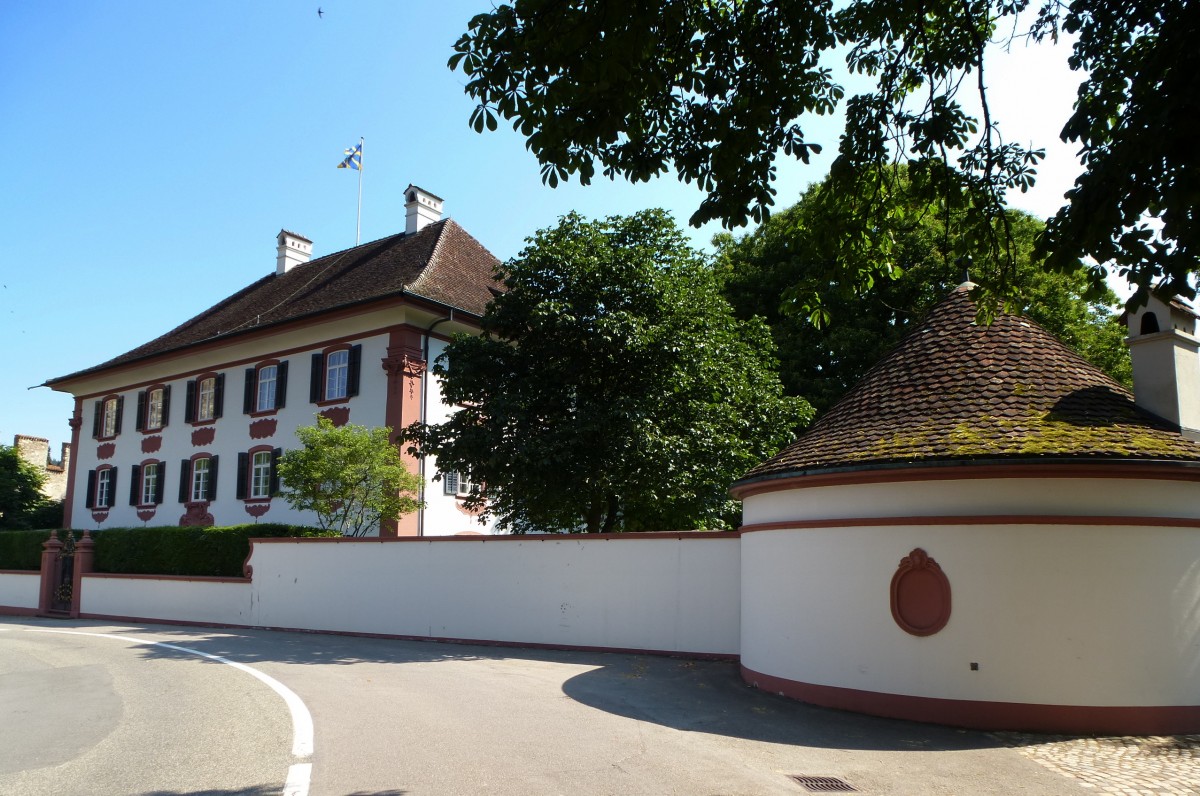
455	483
266	388
153	408
146	486
337	366
335	374
258	477
198	479
205	398
106	421
102	485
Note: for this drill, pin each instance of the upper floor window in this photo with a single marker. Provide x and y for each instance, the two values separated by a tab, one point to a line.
206	403
205	398
266	388
198	479
102	485
153	408
456	483
335	374
106	422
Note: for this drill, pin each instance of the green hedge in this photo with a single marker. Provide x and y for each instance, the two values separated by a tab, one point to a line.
22	549
171	550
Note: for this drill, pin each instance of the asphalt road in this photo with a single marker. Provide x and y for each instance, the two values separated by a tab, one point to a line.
94	714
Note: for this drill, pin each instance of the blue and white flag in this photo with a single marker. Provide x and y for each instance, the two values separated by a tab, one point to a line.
353	159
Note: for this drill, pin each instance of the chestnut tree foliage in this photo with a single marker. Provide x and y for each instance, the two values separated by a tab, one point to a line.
716	90
822	362
611	389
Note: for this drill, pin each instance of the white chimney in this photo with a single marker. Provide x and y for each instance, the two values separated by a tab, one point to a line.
1164	344
293	250
421	208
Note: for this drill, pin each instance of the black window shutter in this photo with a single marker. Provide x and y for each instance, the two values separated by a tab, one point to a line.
135	481
219	396
281	385
89	501
275	454
212	478
242	476
140	423
120	411
159	480
166	411
314	382
355	367
248	394
112	488
185	477
96	419
189	406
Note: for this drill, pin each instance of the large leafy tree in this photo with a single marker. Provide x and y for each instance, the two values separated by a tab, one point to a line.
611	389
717	89
823	355
350	476
20	490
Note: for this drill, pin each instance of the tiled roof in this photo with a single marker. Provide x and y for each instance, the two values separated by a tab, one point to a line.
954	390
441	262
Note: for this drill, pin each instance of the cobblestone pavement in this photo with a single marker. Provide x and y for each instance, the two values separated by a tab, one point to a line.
1164	765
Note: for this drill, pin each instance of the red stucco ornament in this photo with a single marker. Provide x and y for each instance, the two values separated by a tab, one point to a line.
920	595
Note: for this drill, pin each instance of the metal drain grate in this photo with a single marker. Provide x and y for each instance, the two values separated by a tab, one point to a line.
824	784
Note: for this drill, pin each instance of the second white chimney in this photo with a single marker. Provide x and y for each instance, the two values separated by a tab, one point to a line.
292	250
421	208
1164	344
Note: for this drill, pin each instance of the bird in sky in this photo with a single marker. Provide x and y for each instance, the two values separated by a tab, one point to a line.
320	13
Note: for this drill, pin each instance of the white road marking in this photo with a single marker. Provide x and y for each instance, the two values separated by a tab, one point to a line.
299	774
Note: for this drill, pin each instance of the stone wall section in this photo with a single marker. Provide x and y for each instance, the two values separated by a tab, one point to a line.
36	451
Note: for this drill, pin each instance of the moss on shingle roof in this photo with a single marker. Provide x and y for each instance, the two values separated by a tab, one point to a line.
956	390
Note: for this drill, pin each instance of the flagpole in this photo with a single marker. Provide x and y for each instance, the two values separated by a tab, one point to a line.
358	224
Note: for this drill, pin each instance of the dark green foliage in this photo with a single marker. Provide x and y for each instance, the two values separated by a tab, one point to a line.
612	388
22	549
171	550
824	353
48	515
20	490
716	90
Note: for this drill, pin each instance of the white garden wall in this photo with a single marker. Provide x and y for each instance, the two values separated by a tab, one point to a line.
217	601
19	590
672	593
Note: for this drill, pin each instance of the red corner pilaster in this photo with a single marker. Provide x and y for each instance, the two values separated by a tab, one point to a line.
84	553
405	367
76	422
50	550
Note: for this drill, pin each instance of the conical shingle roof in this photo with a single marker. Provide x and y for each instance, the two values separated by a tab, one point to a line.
955	390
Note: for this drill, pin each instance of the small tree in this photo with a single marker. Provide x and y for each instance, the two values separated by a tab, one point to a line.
351	477
20	489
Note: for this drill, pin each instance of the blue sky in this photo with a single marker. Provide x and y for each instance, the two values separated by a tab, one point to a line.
156	148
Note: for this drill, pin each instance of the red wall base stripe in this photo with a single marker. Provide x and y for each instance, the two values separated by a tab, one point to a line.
12	610
1024	717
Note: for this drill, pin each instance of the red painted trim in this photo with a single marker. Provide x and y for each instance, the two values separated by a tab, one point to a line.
405	367
540	537
12	610
461	316
37	572
979	715
195	578
702	656
995	519
76	423
1156	470
916	608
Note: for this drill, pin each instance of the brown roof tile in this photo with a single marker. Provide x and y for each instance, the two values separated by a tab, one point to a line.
956	390
441	262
